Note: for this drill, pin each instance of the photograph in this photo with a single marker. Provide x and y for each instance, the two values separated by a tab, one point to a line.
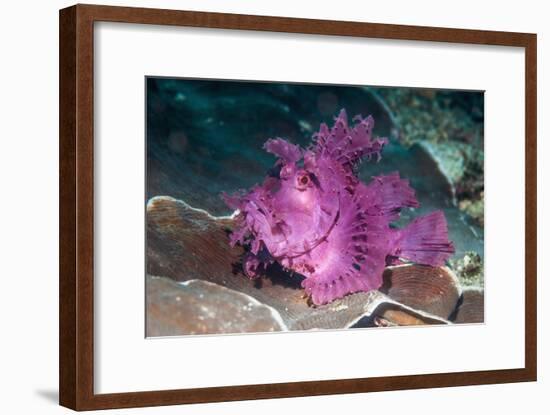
278	206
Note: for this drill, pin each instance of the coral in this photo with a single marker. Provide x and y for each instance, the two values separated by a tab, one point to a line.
469	269
449	125
188	245
312	215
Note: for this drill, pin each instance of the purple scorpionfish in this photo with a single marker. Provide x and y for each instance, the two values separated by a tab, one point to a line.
316	218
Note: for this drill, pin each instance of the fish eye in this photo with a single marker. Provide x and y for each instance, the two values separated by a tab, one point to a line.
302	180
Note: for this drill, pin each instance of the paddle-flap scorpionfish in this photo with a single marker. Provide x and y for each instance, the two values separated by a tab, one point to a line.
314	216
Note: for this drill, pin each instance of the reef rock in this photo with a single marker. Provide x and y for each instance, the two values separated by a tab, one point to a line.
186	244
472	306
202	307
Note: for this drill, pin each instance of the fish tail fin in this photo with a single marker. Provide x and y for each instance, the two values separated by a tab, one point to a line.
425	241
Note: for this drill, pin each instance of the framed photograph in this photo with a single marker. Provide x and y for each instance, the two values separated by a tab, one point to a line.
258	207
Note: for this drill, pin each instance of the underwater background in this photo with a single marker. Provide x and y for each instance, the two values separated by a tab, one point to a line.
205	137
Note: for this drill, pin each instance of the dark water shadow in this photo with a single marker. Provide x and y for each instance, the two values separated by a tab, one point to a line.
274	273
279	276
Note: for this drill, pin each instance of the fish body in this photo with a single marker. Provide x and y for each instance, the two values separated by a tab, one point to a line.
315	217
